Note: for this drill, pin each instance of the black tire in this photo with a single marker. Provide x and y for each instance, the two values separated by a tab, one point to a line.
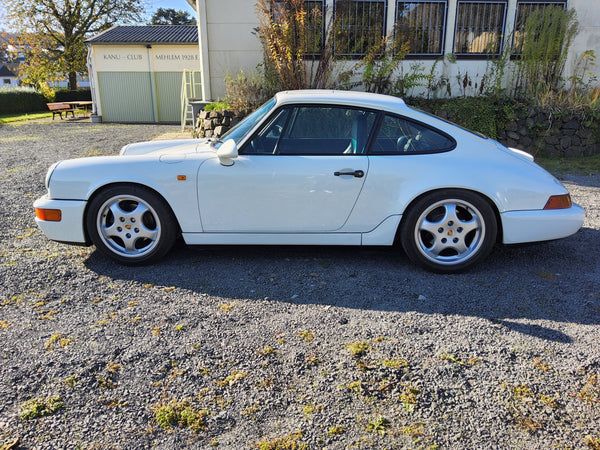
131	224
449	231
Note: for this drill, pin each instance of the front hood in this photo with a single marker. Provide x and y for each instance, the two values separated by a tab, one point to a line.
154	164
176	146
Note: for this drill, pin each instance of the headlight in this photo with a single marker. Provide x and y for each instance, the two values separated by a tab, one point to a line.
49	174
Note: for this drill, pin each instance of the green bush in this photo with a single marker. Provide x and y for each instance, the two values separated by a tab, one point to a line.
217	106
486	115
246	92
21	100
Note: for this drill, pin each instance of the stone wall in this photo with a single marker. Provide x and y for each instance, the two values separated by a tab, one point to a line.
216	123
543	133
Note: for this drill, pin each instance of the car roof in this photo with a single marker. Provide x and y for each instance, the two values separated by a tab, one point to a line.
350	98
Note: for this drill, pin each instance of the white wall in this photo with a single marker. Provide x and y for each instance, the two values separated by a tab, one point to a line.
8	82
231	42
139	58
158	58
232	46
588	15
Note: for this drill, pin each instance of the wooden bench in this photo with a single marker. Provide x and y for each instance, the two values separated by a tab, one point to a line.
60	108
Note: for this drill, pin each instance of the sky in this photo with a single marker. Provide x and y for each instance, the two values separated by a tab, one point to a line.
151	7
183	5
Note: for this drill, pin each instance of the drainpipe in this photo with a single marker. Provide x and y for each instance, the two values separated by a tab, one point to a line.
154	94
203	47
94	116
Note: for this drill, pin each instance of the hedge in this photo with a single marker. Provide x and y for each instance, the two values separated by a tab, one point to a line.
21	100
65	95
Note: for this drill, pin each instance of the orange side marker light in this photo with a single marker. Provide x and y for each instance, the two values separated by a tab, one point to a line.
48	215
559	202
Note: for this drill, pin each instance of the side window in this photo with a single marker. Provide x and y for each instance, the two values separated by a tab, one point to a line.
399	135
326	130
265	141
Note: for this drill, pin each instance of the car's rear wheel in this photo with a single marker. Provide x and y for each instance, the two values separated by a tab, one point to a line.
449	231
131	224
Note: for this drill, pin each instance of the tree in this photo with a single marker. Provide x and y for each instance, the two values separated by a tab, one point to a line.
171	16
4	54
298	46
55	30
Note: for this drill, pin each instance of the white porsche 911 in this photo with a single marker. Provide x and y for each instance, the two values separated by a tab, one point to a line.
312	168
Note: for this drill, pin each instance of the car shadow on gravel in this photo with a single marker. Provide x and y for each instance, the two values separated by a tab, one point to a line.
553	284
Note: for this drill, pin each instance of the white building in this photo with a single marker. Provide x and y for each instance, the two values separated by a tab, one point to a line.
136	72
155	73
8	78
472	30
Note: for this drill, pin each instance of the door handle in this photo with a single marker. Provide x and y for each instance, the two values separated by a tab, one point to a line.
356	173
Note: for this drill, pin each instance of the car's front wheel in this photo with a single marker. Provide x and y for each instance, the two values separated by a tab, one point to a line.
449	231
131	224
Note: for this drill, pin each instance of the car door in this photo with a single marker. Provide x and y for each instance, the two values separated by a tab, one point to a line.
301	173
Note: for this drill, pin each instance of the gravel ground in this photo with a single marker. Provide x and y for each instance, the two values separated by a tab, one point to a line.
322	347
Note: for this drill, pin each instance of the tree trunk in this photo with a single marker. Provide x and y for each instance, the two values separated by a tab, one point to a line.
72	81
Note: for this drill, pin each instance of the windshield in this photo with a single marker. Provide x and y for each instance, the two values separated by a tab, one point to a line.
240	130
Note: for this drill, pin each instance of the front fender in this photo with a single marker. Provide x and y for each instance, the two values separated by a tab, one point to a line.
174	178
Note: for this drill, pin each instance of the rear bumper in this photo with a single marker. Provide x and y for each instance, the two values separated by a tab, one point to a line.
70	228
541	225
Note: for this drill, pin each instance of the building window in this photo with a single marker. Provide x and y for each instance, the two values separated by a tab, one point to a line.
422	25
311	17
479	27
360	26
524	10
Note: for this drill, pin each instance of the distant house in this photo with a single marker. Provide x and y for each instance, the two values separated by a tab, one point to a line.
136	72
8	78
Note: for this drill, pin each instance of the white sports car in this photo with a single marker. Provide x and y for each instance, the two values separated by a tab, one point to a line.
313	168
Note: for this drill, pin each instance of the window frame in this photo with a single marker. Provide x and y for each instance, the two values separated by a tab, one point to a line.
502	29
357	55
444	25
516	27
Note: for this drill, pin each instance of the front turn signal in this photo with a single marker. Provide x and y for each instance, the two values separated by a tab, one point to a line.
48	215
559	202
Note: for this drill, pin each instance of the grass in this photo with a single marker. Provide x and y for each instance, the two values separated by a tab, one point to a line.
291	441
57	339
38	407
335	430
267	350
378	425
358	348
9	118
232	379
306	335
180	413
584	165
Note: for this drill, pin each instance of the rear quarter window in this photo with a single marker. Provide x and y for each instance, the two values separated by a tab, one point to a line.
398	135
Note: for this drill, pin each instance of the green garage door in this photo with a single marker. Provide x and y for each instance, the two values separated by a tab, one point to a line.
168	96
130	97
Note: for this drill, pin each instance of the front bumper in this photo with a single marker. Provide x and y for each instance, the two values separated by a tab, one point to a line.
541	225
70	228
